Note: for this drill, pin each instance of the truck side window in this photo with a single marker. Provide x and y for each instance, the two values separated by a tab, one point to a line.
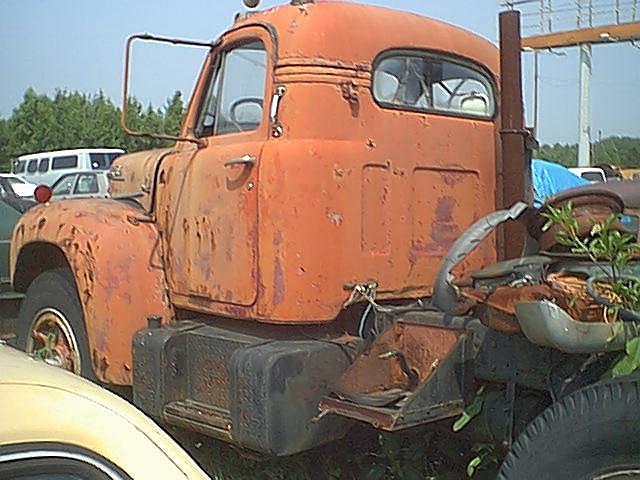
432	83
235	96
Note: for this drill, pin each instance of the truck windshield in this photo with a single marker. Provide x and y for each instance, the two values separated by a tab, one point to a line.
234	101
432	83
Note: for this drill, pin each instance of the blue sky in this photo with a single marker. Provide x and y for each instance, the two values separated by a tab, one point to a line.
79	45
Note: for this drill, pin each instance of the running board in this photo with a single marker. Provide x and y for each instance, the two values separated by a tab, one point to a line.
10	295
389	419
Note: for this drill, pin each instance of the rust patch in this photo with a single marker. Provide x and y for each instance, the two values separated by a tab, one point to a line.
105	252
444	209
278	282
350	94
334	217
421	346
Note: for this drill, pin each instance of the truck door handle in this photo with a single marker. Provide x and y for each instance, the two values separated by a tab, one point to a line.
244	160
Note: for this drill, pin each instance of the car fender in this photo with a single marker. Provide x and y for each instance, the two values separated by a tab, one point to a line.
114	252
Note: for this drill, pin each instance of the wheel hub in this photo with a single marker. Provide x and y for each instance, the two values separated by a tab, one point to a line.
52	339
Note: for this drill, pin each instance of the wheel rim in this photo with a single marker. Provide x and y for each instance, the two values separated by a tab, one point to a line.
51	338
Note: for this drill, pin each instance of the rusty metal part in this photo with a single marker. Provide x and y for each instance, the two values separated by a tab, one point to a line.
497	310
445	296
135	173
589	208
410	372
125	86
570	293
199	417
386	418
117	266
503	298
421	347
374	389
627	191
623	196
259	388
276	127
600	34
514	169
52	339
498	320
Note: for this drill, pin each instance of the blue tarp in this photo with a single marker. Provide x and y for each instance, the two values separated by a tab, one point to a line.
550	178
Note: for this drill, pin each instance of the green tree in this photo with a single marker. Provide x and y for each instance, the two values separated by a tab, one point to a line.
623	152
173	114
75	120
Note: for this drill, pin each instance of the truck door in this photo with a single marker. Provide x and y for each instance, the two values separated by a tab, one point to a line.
211	194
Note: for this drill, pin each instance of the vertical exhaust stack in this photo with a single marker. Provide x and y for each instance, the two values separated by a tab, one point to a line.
514	164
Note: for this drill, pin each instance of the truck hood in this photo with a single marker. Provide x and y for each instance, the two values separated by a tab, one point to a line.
134	174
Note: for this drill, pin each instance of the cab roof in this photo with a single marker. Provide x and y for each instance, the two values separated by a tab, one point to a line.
354	34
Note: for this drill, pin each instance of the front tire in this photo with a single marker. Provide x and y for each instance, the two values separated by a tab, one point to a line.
594	433
51	323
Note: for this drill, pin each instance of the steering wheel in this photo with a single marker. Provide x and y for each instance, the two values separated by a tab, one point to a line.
242	101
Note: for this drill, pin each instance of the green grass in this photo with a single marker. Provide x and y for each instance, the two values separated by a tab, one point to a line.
363	454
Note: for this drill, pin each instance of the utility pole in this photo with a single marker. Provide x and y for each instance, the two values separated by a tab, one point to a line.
584	113
583	36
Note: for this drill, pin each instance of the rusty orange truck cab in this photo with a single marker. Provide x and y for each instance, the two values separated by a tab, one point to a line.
359	157
331	155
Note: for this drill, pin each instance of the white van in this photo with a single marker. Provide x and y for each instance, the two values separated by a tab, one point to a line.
47	167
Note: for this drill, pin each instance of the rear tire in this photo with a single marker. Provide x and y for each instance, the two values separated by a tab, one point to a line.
594	433
51	323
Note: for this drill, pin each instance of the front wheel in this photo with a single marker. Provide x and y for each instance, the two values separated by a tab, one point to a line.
592	434
51	323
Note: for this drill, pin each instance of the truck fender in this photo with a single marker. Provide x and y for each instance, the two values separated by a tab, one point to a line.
114	253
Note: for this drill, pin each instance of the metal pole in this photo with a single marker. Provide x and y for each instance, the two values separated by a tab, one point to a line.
584	113
514	163
536	76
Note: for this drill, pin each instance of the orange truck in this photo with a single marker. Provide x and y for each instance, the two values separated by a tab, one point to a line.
286	268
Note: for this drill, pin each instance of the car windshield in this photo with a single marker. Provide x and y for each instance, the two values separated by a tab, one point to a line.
64	185
15	180
6	187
